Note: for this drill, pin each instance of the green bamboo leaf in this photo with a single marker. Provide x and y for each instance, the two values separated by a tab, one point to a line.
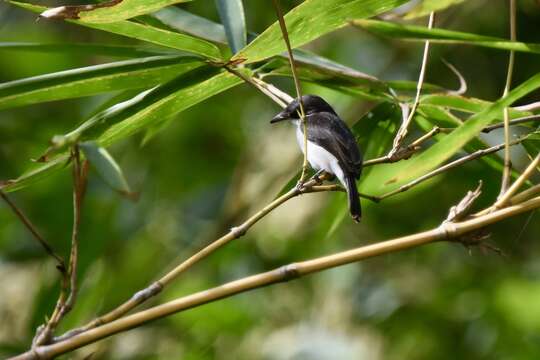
429	116
167	100
192	24
107	11
427	6
132	116
310	20
147	33
442	36
91	80
325	72
35	173
312	67
232	16
92	49
388	177
107	168
465	104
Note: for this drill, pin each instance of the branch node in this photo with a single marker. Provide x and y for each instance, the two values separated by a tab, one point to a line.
238	231
152	290
289	272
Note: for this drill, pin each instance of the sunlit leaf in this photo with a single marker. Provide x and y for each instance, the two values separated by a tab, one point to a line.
107	168
427	6
147	33
91	80
82	48
107	11
387	177
310	20
232	16
442	36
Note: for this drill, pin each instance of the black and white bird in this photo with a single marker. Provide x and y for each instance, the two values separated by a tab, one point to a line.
331	145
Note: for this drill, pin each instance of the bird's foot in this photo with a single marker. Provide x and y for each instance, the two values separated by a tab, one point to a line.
300	185
317	177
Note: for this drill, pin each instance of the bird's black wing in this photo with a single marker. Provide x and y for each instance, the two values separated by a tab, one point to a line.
330	132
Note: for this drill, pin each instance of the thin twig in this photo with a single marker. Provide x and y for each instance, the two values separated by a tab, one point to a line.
505	182
302	113
462	83
407	118
278	100
447	231
68	292
528	107
61	265
405	152
155	288
451	165
503	200
517	121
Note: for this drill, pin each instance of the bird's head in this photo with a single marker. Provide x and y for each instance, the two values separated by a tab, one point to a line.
311	103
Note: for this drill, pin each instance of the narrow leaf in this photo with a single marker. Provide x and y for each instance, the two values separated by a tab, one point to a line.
106	167
427	6
134	115
310	20
442	36
232	16
192	24
389	176
107	11
147	33
131	74
92	49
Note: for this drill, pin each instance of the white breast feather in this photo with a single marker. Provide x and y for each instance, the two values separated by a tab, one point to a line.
319	158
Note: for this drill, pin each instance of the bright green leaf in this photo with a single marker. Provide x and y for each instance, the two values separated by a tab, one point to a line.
310	20
388	177
130	74
107	11
148	33
92	49
442	36
425	7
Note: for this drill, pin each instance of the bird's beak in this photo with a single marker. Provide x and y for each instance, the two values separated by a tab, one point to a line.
284	115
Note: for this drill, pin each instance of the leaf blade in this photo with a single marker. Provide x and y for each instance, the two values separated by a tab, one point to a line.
147	33
105	165
92	80
443	36
233	18
108	11
310	20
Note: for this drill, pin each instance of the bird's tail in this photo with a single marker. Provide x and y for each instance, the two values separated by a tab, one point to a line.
354	201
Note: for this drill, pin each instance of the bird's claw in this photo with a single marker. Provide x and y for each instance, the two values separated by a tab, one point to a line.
300	185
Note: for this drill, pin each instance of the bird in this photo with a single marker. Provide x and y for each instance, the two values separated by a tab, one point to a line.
331	145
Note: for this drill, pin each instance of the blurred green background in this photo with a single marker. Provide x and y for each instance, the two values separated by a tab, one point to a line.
221	161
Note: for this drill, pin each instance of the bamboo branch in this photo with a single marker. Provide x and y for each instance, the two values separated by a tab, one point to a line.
407	118
405	152
449	166
60	263
507	161
521	120
447	231
302	113
264	89
68	292
155	288
503	200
